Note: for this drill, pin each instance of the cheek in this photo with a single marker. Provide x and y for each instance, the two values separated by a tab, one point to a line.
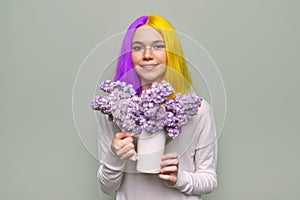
162	57
135	58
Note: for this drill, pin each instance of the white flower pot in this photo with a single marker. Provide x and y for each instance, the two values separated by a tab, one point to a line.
150	149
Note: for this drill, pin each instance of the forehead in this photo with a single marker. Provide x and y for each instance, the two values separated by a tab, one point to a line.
146	34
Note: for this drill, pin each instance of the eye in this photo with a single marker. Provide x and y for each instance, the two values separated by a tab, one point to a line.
138	48
159	47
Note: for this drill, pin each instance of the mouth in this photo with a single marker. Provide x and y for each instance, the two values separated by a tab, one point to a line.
149	66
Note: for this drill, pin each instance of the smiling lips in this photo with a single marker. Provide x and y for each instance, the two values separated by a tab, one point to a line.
149	66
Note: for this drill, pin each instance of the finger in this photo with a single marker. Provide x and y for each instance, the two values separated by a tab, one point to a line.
122	135
122	142
121	146
169	169
128	154
127	140
126	148
134	157
169	156
170	178
169	162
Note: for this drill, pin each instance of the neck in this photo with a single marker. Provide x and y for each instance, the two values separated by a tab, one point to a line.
146	86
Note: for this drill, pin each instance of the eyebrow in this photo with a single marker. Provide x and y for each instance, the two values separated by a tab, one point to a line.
153	42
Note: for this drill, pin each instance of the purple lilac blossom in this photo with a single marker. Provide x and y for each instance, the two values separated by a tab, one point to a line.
117	104
179	112
151	111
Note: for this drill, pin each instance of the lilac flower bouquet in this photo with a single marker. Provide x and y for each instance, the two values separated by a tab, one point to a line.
151	111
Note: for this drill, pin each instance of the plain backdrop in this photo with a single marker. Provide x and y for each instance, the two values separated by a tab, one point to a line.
255	44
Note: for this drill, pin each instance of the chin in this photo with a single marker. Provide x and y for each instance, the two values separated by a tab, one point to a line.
151	79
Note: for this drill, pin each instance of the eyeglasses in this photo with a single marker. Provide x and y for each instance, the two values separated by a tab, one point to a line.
142	48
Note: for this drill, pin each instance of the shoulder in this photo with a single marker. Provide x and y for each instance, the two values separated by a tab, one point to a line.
203	117
204	109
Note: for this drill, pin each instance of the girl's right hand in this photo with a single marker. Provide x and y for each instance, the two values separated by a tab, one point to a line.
122	145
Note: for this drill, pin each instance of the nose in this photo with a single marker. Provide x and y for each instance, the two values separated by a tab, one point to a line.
148	54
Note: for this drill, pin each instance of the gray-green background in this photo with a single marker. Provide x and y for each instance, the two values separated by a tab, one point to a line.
253	42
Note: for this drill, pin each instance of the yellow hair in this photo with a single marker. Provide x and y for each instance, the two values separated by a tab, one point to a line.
177	73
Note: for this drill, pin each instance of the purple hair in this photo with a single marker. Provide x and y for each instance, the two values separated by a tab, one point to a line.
125	68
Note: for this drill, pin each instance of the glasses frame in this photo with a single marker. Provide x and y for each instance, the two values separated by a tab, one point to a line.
154	47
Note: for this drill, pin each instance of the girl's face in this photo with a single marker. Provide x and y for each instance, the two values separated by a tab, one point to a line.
149	55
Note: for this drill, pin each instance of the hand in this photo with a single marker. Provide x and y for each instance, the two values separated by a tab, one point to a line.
122	145
169	168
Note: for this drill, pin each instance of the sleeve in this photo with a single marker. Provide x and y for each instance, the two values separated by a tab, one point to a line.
204	179
110	172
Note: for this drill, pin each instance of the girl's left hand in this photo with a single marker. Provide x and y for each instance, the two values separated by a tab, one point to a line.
169	168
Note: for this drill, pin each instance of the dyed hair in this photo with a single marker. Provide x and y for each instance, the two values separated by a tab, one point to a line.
177	71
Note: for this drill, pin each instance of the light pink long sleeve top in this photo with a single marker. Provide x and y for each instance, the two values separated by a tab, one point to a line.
197	150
